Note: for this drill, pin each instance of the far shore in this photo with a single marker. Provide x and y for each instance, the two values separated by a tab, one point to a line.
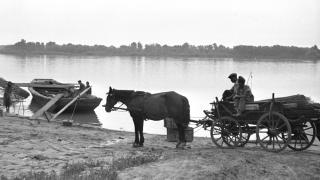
185	50
32	149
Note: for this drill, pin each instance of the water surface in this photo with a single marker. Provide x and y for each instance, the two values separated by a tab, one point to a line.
199	79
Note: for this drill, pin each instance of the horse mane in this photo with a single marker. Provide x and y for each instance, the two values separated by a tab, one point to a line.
123	93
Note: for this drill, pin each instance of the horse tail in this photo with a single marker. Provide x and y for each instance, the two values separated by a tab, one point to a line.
186	111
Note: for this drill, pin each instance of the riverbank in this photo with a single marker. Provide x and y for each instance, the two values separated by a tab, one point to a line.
35	151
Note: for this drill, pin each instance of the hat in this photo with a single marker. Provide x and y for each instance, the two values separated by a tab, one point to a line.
241	80
232	75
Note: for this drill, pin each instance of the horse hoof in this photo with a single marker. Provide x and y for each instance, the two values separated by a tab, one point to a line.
178	144
135	145
181	145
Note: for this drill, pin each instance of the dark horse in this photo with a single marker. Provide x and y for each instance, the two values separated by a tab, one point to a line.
142	105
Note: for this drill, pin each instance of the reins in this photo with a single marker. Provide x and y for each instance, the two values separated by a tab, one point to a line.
125	109
117	108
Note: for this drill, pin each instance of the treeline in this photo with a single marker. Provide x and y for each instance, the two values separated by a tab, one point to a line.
185	50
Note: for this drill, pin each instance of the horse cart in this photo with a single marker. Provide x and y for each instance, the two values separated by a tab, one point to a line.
277	124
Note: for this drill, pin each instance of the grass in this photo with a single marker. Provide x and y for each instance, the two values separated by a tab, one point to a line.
90	170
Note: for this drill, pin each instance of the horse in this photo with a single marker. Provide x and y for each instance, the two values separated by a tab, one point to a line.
143	105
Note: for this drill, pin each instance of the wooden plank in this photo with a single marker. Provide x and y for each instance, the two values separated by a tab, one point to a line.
47	106
45	85
70	103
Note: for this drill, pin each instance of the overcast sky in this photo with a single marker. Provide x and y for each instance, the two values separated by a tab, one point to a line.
117	22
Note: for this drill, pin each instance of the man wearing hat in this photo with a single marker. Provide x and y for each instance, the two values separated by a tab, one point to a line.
81	86
228	94
242	95
233	78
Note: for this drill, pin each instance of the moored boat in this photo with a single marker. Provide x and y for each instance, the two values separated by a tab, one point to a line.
15	89
44	90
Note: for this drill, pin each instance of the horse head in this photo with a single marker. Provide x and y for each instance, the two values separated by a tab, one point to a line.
111	100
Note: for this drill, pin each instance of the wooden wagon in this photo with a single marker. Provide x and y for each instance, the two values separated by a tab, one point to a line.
277	123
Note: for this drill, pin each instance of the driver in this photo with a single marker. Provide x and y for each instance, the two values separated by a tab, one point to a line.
228	94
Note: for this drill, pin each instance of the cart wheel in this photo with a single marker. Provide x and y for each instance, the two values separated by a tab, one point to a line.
225	132
273	132
303	136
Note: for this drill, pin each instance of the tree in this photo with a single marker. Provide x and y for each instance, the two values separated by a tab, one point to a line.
133	45
313	53
315	47
139	46
215	46
185	45
21	44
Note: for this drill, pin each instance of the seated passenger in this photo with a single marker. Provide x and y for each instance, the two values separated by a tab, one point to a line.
81	86
242	95
87	86
228	94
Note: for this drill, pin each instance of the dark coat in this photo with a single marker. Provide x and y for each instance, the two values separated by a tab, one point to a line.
7	96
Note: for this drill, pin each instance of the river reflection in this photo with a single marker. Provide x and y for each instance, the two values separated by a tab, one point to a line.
200	80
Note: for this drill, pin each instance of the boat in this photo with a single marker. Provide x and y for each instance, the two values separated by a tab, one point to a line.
16	90
44	90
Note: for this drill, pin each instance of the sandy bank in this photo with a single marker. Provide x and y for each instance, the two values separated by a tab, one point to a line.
27	146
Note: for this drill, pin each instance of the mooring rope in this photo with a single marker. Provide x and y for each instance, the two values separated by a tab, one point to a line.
74	109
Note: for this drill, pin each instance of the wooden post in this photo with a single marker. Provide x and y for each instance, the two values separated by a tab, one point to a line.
69	104
47	115
271	106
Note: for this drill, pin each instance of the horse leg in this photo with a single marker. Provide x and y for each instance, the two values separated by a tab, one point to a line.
141	132
136	132
182	139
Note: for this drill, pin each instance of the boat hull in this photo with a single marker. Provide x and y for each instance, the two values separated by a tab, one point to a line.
84	103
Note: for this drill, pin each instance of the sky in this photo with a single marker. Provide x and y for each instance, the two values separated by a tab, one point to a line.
171	22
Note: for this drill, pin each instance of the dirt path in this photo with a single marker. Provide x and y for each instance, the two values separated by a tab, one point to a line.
27	146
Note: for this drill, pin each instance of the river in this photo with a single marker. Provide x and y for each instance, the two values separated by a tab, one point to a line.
199	79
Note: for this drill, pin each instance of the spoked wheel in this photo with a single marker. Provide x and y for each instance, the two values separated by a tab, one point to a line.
303	136
273	132
225	132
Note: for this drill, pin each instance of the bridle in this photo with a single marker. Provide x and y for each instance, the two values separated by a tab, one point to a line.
117	108
121	108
